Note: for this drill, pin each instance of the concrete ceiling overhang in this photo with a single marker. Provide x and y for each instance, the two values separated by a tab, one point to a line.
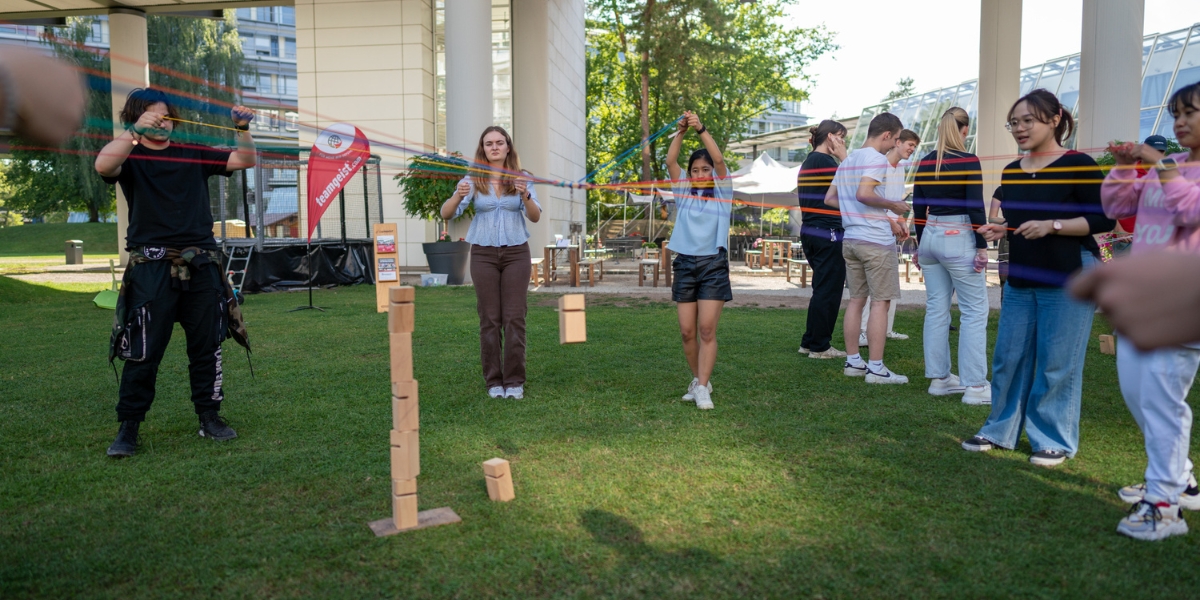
17	10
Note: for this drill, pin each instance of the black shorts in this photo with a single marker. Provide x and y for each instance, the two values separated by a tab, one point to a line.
701	277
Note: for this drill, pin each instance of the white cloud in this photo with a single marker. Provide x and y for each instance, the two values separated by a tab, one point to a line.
936	42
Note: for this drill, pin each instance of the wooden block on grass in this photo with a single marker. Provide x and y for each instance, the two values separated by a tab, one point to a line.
500	489
404	487
406	455
571	302
572	327
405	414
1108	344
401	293
404	511
496	467
404	389
401	318
401	355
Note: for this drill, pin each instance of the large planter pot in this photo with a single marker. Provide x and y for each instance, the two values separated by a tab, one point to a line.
449	258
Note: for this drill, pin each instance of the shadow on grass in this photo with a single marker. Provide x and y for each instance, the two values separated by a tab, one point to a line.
668	570
15	291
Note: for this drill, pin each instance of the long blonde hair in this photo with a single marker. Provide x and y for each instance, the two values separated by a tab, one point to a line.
512	165
949	135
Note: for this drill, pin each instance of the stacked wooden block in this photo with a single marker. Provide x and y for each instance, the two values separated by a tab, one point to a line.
406	461
572	324
499	480
1108	344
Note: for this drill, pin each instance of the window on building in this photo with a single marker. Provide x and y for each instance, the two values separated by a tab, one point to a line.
287	86
1161	67
1189	64
291	121
266	84
288	15
1146	122
243	14
249	81
289	48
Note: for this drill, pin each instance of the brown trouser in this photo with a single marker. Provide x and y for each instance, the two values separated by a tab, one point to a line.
501	276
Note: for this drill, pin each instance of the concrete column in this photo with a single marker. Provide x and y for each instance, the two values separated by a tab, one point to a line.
468	80
370	63
1110	76
999	86
129	67
549	113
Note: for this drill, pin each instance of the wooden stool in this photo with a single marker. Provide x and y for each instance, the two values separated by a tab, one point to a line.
653	264
803	264
533	272
754	259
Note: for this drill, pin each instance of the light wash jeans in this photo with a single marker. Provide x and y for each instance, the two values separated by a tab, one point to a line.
947	258
1037	368
1155	385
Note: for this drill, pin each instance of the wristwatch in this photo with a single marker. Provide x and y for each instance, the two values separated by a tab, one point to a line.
1166	164
245	127
1057	226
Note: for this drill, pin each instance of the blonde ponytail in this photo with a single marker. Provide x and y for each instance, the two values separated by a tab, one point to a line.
949	135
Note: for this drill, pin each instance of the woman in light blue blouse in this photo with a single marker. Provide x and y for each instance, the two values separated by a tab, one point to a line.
704	204
500	264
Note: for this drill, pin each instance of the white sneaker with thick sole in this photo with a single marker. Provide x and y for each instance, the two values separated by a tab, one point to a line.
892	335
862	339
690	396
827	354
804	350
978	395
703	398
516	393
946	386
496	392
885	376
1153	521
850	370
1188	500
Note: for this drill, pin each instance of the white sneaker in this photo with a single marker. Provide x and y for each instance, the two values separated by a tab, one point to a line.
827	353
850	370
1153	521
978	395
804	350
515	392
885	377
690	396
946	386
496	392
703	397
862	339
892	335
1188	500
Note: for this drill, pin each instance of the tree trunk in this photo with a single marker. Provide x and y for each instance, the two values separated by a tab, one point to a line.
645	107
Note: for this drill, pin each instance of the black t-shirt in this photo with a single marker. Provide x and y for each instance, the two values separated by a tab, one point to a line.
167	192
1067	188
815	176
956	190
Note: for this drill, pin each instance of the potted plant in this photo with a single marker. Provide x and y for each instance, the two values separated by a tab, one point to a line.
429	180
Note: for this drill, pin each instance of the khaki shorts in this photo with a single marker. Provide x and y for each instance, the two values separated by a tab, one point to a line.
871	270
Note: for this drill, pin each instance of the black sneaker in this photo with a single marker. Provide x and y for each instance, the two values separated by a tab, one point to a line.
978	444
127	440
213	426
1048	458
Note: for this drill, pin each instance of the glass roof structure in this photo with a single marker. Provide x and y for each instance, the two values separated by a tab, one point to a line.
1169	62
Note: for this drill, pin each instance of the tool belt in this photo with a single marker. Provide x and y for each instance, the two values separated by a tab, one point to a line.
124	344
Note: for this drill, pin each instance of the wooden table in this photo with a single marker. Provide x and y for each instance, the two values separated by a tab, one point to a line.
785	252
548	266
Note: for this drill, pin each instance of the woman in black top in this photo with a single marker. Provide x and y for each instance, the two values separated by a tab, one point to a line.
1052	204
948	207
821	238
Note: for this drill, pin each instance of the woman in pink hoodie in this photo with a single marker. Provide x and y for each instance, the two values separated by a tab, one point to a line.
1166	202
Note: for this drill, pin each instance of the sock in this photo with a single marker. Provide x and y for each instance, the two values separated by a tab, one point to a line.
855	360
875	365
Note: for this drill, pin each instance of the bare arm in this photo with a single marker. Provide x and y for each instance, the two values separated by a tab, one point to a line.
450	206
673	151
868	196
831	197
245	156
113	155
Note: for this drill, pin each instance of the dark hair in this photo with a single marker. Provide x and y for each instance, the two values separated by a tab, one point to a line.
1044	106
908	135
820	133
884	123
697	155
1188	95
141	99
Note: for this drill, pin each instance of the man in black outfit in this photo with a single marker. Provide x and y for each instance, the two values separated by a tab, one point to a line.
821	237
174	272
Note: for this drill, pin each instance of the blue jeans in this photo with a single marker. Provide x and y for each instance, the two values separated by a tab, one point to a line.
1037	368
947	258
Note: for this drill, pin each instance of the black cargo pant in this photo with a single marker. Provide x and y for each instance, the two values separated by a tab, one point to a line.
824	254
151	299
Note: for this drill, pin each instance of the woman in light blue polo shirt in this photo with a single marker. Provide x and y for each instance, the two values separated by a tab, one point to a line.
499	257
704	204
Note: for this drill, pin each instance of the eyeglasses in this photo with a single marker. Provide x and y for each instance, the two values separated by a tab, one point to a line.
1016	124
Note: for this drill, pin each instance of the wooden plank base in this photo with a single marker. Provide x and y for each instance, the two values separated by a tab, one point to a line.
425	519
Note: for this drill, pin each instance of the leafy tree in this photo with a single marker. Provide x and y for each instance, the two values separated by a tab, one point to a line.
650	60
193	59
904	88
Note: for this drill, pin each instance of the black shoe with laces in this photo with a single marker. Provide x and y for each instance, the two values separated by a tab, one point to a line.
214	427
127	440
1048	458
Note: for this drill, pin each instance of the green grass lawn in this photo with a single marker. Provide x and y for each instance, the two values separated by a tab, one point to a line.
48	239
802	483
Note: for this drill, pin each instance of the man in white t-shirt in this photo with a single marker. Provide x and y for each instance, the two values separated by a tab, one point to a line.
869	246
894	182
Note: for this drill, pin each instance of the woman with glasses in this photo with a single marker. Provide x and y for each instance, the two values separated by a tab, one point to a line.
1052	206
948	205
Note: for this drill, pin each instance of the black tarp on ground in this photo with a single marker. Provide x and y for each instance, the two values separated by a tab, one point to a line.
277	268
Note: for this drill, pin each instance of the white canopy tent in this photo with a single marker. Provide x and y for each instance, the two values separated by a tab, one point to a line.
765	181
